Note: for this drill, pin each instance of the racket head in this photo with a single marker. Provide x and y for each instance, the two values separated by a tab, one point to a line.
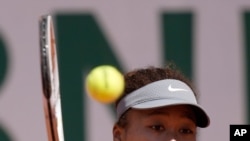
49	63
50	79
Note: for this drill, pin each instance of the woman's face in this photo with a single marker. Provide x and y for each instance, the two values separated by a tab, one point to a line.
174	123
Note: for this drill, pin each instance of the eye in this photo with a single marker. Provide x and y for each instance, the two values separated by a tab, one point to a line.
157	128
186	131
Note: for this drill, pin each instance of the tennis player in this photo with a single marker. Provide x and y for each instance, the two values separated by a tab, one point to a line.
158	104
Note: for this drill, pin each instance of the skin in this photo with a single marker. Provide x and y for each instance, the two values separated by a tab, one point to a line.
173	123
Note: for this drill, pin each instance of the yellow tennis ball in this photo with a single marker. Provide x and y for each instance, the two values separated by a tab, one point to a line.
105	84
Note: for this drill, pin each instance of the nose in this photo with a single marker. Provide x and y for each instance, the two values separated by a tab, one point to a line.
171	136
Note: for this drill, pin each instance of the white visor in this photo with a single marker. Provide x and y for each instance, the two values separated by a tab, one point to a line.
167	92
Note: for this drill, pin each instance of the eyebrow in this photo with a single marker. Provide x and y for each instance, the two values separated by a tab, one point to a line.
158	112
185	113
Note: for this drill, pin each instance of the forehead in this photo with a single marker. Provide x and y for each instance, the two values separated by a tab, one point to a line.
180	110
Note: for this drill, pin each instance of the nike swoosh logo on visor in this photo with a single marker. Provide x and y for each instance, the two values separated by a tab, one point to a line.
171	89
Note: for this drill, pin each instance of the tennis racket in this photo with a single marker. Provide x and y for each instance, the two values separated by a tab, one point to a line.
50	79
